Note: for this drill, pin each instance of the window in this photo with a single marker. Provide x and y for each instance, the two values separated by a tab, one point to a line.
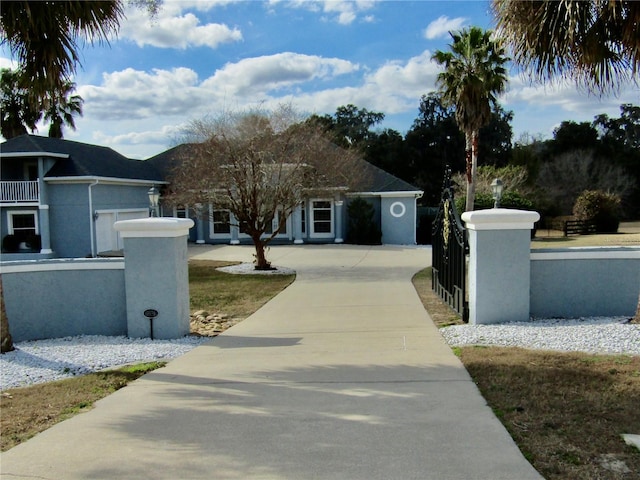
23	224
303	218
181	212
220	222
322	218
275	222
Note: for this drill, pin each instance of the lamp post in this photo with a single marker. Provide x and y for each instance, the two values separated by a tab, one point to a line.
154	198
496	188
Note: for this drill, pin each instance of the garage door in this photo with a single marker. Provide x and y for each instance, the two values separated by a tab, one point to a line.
107	239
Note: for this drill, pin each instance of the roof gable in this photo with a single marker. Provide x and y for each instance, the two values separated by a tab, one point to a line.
84	160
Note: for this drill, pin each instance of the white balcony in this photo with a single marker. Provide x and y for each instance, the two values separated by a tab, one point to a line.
18	193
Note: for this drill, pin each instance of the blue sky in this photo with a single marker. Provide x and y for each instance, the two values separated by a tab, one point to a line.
199	58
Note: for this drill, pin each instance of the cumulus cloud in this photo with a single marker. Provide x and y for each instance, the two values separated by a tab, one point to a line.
134	94
442	26
174	29
273	72
344	12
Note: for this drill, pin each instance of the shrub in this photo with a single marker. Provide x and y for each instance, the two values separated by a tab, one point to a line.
510	199
362	228
601	207
10	244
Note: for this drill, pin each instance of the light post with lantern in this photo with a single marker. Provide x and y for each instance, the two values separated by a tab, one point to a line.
154	198
496	189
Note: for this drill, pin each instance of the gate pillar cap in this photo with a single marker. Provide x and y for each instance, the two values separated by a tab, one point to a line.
153	227
500	219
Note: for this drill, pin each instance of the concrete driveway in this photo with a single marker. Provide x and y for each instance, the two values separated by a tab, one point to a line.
341	376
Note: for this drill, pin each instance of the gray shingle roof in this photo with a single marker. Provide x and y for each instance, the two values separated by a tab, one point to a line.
84	160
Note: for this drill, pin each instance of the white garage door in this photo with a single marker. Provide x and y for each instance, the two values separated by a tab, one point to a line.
107	239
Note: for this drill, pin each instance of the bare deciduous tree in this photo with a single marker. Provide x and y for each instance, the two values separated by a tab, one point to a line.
565	177
259	165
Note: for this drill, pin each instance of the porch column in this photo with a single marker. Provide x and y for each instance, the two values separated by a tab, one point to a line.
199	225
499	264
156	276
45	231
43	210
235	230
339	207
297	225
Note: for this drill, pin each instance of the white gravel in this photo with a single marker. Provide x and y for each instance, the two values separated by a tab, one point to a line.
591	335
46	360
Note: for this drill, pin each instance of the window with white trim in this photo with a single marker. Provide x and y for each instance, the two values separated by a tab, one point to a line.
181	211
220	222
321	218
23	224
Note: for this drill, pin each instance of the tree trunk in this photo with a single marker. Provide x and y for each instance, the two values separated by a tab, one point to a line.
260	257
636	319
6	344
471	140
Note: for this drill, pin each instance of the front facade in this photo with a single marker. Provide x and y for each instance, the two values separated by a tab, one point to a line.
320	218
60	199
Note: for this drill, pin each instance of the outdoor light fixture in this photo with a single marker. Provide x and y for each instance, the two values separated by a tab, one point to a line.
154	197
496	188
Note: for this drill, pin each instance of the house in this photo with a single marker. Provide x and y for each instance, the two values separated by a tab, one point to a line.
321	218
60	198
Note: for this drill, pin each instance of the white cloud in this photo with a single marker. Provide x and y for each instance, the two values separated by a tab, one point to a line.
344	12
8	63
131	94
263	74
173	29
442	26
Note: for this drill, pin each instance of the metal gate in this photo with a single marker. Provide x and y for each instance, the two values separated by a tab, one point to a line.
450	249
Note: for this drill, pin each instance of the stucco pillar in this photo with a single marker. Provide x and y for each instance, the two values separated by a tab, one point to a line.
45	231
297	225
339	208
235	229
499	264
199	225
156	276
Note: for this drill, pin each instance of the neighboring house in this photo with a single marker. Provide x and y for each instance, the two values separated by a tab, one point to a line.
60	198
321	218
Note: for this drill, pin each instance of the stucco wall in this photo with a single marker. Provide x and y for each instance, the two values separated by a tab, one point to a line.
69	214
59	298
69	220
398	219
585	282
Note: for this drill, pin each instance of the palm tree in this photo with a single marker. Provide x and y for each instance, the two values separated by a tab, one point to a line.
61	108
595	43
43	36
18	113
474	74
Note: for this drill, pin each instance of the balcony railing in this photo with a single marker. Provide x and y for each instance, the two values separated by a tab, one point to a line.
19	192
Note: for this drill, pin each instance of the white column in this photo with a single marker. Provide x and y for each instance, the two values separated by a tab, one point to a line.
156	276
499	264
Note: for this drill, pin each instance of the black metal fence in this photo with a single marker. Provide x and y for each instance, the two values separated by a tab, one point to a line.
450	249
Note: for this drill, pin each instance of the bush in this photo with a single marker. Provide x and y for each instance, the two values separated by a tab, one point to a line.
362	228
10	244
483	201
601	207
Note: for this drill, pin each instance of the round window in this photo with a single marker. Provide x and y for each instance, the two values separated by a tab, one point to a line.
397	209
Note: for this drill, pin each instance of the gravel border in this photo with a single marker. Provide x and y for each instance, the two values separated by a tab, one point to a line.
42	361
603	335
